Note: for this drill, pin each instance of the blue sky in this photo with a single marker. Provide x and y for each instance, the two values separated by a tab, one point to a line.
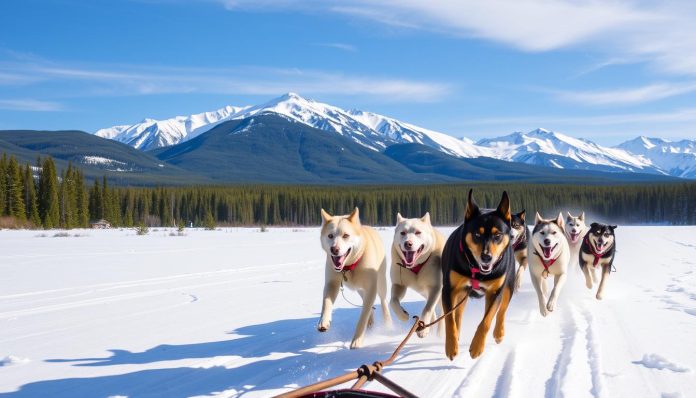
602	70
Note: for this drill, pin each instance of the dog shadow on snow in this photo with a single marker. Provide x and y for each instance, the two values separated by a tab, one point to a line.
264	356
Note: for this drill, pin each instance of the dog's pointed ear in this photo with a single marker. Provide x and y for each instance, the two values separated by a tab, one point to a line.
354	217
594	225
426	218
399	218
504	207
559	220
538	218
326	217
472	209
582	216
570	216
522	215
613	227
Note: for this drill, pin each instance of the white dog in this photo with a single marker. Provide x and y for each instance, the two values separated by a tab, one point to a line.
415	263
575	229
354	257
549	254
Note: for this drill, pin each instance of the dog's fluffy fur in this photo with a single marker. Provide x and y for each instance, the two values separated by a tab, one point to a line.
481	244
548	245
347	242
597	252
519	245
415	264
575	230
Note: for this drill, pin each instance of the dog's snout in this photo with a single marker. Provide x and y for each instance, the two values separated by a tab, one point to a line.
408	244
334	250
486	258
547	242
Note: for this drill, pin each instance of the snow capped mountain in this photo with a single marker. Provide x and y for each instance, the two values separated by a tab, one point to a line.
677	158
539	147
151	134
547	148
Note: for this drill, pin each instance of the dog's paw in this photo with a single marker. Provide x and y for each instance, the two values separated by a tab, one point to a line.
543	311
499	334
356	343
551	305
599	296
402	315
423	333
477	345
451	348
324	325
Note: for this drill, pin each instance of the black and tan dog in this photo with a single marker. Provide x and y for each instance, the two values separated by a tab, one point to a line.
478	261
519	245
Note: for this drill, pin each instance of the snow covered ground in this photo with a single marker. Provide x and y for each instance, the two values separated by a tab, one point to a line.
233	313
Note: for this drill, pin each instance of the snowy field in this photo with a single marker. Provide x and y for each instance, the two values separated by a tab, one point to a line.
233	313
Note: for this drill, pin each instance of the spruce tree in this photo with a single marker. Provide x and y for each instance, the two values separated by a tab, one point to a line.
3	185
29	193
48	195
15	199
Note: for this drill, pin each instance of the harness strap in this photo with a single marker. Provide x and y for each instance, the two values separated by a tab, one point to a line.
546	264
416	269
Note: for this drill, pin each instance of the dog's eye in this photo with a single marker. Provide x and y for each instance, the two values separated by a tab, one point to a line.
331	236
542	233
403	233
477	235
553	232
418	232
346	236
498	237
598	233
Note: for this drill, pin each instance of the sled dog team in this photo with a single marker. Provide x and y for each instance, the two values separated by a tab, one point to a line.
477	260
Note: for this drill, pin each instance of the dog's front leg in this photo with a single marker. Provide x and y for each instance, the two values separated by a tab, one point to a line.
397	293
330	293
602	284
453	320
368	300
427	315
493	300
520	271
499	330
559	281
536	282
588	278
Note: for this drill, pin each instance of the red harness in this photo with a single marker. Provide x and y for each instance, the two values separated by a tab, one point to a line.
593	251
416	269
475	283
352	266
548	264
518	242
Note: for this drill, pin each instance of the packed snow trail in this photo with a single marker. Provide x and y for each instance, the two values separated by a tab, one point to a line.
233	313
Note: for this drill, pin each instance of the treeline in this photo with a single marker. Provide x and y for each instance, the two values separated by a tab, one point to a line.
40	196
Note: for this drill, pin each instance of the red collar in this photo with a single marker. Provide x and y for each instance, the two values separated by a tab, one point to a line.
351	267
546	264
416	269
593	251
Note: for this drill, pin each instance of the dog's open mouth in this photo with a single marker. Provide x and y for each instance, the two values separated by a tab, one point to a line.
486	268
410	256
339	261
547	250
574	236
601	246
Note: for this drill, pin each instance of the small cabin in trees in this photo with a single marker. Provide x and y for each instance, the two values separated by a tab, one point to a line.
101	224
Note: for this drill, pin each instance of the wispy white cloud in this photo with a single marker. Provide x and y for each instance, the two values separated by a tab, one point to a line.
339	46
30	105
652	92
144	80
660	33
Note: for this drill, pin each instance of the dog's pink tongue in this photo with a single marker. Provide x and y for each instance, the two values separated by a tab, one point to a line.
338	260
409	256
547	251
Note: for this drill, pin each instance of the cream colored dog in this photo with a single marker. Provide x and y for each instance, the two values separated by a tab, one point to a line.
549	254
354	257
415	263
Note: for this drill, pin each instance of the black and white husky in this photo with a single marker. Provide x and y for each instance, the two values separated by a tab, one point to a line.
549	254
597	252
